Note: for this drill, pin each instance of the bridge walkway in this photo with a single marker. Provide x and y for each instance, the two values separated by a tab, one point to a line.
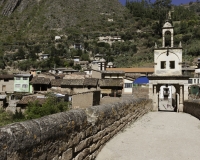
156	136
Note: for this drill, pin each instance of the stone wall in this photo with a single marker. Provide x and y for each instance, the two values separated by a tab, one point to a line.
192	107
76	134
86	99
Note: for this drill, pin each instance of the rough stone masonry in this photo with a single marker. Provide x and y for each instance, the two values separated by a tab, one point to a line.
76	134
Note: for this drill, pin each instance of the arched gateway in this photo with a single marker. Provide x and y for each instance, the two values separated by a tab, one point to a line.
168	88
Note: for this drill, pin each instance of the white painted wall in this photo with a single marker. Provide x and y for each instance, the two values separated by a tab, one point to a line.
127	90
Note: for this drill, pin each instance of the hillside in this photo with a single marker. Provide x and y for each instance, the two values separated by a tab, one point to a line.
28	29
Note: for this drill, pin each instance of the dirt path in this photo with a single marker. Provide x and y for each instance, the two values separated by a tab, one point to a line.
156	136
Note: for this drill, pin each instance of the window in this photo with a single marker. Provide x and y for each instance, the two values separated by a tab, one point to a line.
194	80
24	85
25	78
198	81
17	85
190	81
128	85
17	78
172	64
163	64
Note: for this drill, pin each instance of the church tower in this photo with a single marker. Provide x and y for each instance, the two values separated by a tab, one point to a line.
168	88
168	59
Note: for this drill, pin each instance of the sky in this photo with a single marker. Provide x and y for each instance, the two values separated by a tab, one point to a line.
175	2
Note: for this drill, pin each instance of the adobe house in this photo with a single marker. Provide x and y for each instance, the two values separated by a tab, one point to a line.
168	88
40	84
7	83
23	103
86	99
73	86
111	87
108	74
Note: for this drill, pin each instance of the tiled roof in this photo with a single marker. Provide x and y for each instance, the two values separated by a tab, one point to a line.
40	80
28	99
132	70
113	71
11	76
56	82
72	82
22	75
90	82
79	73
74	76
111	83
132	75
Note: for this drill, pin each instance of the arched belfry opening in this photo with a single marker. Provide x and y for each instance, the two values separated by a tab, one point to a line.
168	39
168	35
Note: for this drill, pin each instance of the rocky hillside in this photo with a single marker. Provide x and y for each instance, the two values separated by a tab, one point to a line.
37	15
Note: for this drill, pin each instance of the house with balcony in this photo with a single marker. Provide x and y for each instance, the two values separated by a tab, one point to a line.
21	83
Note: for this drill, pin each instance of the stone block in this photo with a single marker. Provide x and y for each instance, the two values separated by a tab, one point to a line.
95	146
83	144
105	139
89	131
67	155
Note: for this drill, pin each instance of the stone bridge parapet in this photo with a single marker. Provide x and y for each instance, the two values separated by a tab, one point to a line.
76	134
192	107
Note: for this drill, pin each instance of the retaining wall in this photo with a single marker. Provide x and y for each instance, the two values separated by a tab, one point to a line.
192	107
77	134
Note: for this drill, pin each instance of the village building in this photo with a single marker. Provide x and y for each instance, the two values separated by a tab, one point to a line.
40	84
23	103
110	39
86	99
62	71
108	74
74	86
21	83
111	87
130	75
6	83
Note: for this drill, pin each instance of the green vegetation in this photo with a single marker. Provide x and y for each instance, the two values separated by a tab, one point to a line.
35	110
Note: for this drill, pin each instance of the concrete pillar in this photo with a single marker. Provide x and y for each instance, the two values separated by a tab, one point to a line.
172	39
181	100
155	99
103	66
177	102
150	91
185	92
163	37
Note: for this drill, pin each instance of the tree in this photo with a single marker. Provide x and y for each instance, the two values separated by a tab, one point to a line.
52	105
